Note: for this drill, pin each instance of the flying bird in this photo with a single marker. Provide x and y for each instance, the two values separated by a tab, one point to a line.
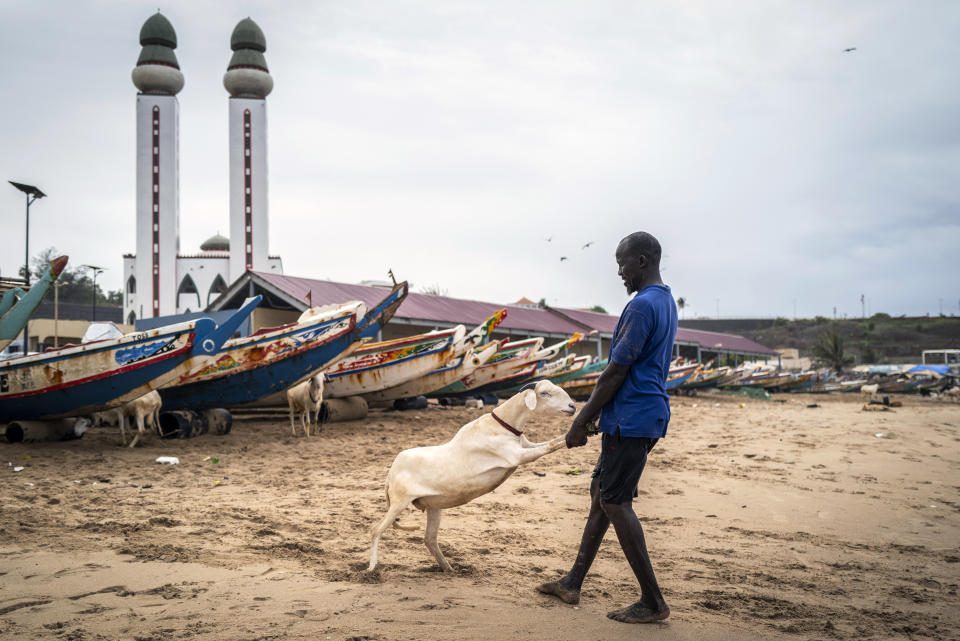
563	258
587	245
849	49
549	239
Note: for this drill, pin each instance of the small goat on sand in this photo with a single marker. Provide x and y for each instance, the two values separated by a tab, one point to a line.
481	456
144	412
306	399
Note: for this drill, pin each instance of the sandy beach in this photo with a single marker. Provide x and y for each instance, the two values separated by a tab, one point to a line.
765	519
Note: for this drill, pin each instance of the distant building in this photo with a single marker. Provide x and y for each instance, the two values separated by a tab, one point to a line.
158	279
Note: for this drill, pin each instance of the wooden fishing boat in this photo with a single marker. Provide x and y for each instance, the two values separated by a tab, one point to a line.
521	374
271	360
453	371
469	355
544	371
581	388
705	378
510	357
676	378
571	371
79	379
377	366
17	306
576	372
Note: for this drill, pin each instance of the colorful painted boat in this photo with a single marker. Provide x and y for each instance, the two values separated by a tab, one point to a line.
541	371
521	374
17	306
676	378
79	379
456	369
575	372
705	378
469	356
510	357
581	388
250	368
377	366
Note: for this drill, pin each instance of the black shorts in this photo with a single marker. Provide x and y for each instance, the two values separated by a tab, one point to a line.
621	462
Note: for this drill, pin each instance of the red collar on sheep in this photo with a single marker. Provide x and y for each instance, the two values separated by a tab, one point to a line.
505	425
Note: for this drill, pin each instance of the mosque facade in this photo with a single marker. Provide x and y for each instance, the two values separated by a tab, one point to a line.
159	279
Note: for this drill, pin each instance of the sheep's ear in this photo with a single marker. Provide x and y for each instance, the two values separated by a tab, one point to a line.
530	399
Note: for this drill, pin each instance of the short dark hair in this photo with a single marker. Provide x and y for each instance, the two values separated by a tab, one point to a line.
640	243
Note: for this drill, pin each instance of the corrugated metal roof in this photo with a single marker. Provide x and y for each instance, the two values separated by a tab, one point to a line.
726	342
606	323
422	307
428	308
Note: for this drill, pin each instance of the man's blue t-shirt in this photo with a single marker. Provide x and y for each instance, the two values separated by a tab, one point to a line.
643	340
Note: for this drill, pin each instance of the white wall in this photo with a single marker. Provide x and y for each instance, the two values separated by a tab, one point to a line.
169	203
258	185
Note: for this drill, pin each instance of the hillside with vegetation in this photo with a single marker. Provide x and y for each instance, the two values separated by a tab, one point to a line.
880	338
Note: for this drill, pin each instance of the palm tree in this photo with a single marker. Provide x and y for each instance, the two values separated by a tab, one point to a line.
681	303
829	351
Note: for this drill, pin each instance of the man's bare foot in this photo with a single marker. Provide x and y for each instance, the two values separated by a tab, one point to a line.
640	612
562	592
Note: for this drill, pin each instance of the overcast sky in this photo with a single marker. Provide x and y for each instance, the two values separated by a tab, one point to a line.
449	140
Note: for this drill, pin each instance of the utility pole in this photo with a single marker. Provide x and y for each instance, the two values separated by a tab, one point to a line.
32	194
863	306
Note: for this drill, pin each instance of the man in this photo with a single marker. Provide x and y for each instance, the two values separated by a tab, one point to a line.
634	409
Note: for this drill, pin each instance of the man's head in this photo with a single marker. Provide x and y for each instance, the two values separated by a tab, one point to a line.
638	256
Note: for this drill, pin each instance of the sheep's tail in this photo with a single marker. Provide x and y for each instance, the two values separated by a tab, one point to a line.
396	522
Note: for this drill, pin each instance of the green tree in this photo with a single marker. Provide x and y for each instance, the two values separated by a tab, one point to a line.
829	351
681	303
599	309
75	283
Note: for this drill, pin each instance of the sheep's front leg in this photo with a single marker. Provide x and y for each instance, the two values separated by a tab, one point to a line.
535	451
430	538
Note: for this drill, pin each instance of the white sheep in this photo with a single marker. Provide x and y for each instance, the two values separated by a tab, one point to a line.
481	456
869	390
306	398
145	412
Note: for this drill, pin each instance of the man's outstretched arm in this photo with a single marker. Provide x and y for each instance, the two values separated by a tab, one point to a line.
607	387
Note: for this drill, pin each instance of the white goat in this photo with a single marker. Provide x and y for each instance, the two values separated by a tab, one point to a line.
481	456
305	398
145	411
869	390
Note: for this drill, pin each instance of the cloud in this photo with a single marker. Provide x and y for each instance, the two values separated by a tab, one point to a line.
447	140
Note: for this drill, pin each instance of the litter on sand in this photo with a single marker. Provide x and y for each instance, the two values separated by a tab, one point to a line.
879	435
171	460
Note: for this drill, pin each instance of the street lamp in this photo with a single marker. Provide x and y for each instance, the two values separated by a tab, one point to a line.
96	270
32	194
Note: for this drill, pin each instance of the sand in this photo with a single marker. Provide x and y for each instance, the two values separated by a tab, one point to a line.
771	520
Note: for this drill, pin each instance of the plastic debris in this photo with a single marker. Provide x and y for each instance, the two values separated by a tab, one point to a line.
574	471
879	434
171	460
19	468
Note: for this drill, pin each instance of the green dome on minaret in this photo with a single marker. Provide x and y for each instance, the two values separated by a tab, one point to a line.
157	30
157	70
247	73
247	35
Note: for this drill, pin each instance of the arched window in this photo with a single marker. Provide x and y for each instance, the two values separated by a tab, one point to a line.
187	293
218	287
131	319
131	285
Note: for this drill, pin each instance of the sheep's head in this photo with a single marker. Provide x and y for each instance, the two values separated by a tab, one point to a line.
316	384
547	397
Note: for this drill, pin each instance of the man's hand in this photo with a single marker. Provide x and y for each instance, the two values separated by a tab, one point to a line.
577	435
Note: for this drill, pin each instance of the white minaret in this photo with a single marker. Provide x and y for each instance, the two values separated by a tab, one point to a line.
248	81
157	76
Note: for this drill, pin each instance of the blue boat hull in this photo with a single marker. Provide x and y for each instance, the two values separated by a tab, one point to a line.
249	385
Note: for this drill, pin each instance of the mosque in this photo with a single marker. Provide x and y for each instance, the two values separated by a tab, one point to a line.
159	279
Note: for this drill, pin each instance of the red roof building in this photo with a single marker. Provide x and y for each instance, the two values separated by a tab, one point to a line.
286	297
